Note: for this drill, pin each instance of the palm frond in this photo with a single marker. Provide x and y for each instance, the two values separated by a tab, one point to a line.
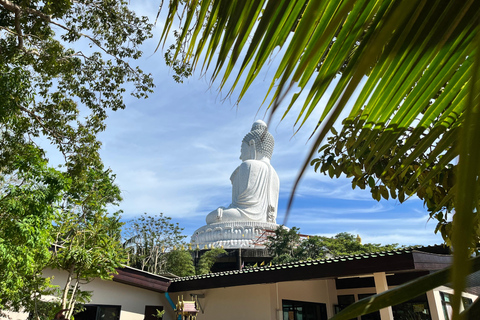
415	63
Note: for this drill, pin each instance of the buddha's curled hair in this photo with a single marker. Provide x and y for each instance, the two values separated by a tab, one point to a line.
264	141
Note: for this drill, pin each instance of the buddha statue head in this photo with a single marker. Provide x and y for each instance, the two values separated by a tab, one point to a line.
258	143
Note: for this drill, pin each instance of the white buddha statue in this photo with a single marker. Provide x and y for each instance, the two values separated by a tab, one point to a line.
255	184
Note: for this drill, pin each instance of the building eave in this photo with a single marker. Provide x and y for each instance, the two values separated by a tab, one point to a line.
399	261
142	279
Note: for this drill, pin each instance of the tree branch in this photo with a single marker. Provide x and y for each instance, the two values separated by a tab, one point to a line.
17	10
18	29
55	134
12	7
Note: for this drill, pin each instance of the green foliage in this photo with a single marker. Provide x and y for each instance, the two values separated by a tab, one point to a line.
345	154
44	81
344	243
155	244
181	69
180	263
207	260
412	63
287	246
29	192
282	245
149	238
50	90
87	237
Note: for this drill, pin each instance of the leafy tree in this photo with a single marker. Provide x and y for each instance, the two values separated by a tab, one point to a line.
282	245
87	238
208	259
155	244
29	192
180	263
50	89
415	64
149	238
344	243
342	154
46	82
42	209
287	246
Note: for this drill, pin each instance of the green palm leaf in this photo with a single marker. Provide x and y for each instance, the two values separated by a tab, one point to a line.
416	63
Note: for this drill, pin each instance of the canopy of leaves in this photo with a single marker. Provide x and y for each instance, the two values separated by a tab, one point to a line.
155	244
283	244
149	238
87	239
45	82
286	245
180	263
414	63
51	89
338	156
208	259
28	198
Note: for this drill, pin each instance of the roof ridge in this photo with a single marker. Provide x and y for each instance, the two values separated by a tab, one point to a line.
301	263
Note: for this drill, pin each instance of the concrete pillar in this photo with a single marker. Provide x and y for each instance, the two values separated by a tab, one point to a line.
239	259
435	305
332	297
381	286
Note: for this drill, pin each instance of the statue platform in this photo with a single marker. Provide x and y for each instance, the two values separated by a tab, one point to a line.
233	234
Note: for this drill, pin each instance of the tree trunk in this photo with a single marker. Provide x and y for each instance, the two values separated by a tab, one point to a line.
73	300
67	286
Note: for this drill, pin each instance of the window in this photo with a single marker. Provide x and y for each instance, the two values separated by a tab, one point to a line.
447	306
344	301
299	310
416	308
467	302
151	311
99	312
348	299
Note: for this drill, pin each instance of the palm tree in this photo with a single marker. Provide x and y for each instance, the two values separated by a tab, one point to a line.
414	62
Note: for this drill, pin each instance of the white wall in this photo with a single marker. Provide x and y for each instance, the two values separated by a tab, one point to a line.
132	299
245	302
254	302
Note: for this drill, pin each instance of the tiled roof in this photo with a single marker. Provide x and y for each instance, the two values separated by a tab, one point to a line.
299	264
142	279
411	262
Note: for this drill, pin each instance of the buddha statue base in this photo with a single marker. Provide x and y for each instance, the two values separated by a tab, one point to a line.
233	234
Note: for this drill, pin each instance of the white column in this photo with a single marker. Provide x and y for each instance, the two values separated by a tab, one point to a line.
380	286
332	297
435	305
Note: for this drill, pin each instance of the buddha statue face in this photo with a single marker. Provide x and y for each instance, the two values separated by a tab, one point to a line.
247	151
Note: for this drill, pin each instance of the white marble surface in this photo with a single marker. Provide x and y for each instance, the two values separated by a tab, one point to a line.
255	189
230	235
255	183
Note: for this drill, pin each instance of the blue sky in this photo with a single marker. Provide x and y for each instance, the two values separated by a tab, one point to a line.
174	153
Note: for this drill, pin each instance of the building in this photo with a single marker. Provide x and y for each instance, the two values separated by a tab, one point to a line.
132	295
304	290
318	289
